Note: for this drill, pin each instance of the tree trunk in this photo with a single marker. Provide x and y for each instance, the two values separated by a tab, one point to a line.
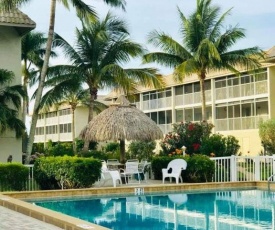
203	103
122	151
42	78
93	93
73	131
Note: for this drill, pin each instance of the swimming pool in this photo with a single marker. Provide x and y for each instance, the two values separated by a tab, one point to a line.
246	209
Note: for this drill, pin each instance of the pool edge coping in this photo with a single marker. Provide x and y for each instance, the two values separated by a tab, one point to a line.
11	199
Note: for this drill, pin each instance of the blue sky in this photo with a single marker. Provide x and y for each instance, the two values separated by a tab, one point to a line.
256	17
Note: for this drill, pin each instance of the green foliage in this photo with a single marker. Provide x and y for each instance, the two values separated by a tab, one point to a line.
13	176
71	172
199	168
93	153
112	147
186	134
38	147
214	144
60	149
232	145
80	145
141	149
267	135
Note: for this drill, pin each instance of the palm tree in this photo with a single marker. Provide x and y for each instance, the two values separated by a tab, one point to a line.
10	102
204	47
101	48
33	49
69	92
84	11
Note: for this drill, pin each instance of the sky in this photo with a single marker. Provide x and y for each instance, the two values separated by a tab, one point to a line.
257	17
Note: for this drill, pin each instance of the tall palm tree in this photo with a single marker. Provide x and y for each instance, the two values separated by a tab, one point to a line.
33	50
69	92
10	102
204	47
83	11
101	49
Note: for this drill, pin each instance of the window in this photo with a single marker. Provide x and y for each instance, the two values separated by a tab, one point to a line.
188	88
261	76
146	97
154	117
220	83
179	90
197	87
168	116
179	115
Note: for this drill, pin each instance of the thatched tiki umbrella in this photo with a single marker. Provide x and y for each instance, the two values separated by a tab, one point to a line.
121	121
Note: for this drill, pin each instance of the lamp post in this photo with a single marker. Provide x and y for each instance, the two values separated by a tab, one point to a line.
183	150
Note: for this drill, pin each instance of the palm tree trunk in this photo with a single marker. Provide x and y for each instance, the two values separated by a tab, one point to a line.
93	93
122	151
203	103
73	131
42	78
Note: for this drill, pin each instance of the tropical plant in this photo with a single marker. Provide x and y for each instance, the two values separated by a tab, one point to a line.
204	47
267	135
84	11
101	48
33	48
142	150
186	134
10	102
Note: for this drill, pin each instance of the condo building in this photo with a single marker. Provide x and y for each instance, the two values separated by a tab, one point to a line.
234	104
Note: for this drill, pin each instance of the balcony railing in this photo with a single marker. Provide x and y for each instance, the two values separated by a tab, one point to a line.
239	123
157	103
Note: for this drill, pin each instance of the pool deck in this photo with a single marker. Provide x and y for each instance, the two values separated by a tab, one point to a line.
17	214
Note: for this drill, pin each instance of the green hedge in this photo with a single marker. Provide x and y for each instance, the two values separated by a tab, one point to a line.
71	172
13	176
199	168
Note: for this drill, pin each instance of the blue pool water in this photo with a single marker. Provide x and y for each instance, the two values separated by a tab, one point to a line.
222	210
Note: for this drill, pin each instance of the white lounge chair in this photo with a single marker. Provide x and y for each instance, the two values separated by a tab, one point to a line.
107	174
130	172
173	170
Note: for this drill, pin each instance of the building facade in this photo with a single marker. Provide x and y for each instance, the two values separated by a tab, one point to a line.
57	124
13	25
234	104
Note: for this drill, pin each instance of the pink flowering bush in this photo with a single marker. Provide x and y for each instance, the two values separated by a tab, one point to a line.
188	134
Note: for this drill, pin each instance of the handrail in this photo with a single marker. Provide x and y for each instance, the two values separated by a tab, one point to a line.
269	180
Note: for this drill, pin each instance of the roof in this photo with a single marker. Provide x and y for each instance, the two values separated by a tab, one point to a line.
15	18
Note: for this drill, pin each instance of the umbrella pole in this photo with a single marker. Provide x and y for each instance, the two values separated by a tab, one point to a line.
122	151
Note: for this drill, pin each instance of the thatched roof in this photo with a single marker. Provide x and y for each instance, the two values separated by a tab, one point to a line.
121	121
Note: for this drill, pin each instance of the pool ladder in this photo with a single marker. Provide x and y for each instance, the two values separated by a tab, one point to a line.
270	180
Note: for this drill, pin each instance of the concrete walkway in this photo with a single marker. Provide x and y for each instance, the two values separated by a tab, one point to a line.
11	220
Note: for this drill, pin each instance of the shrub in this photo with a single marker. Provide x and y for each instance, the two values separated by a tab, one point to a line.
69	172
219	145
141	149
80	145
13	176
186	134
93	153
267	135
112	147
60	149
38	147
200	168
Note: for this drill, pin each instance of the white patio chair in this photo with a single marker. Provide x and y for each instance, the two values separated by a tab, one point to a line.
113	164
107	174
142	167
174	170
130	172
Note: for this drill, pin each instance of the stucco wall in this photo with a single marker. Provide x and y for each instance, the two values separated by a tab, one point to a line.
249	141
10	59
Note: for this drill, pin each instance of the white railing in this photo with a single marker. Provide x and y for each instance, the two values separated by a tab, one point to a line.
243	168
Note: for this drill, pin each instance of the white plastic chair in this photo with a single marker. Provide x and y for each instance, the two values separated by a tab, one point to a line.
130	171
173	170
107	174
112	164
